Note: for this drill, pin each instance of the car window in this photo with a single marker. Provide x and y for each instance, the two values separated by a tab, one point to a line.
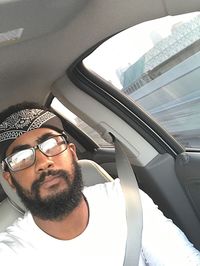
157	65
79	123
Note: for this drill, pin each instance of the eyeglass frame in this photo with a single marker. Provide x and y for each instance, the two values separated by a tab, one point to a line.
5	162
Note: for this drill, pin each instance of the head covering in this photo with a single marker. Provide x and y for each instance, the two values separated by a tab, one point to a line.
24	121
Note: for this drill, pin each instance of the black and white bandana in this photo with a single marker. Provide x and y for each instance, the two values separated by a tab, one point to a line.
23	121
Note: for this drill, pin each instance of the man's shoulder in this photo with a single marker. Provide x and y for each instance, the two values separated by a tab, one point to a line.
113	190
112	187
106	188
14	230
105	192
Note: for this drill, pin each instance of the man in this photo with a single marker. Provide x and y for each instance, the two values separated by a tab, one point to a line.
67	223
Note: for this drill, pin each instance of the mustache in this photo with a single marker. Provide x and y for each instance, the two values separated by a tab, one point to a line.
56	173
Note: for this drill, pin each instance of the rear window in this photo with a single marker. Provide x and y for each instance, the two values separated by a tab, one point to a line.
79	123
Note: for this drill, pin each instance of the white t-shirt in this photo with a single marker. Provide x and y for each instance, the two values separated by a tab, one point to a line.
103	241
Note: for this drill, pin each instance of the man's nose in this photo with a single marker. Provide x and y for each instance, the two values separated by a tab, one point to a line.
42	162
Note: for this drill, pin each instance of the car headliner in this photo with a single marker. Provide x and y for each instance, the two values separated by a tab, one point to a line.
57	32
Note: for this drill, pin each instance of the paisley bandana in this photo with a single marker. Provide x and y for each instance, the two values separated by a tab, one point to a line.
23	121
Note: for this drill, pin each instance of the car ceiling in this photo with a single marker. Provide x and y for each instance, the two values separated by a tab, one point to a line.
56	33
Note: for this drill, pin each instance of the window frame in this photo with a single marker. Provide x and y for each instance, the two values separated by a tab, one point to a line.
113	99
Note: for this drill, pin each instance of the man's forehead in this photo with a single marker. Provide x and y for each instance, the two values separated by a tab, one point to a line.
31	138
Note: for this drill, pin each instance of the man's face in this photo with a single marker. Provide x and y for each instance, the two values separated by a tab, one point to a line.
51	187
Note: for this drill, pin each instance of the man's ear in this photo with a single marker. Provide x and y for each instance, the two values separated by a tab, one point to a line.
72	148
7	177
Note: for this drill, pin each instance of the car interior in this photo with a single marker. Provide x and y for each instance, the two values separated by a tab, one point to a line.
42	48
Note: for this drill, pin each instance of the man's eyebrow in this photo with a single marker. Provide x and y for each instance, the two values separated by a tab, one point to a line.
27	146
46	136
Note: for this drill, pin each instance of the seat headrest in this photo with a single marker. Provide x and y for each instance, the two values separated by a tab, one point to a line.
92	174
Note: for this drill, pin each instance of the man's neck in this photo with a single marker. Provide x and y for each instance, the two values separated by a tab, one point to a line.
70	226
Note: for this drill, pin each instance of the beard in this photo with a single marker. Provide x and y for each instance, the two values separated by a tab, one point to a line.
59	204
